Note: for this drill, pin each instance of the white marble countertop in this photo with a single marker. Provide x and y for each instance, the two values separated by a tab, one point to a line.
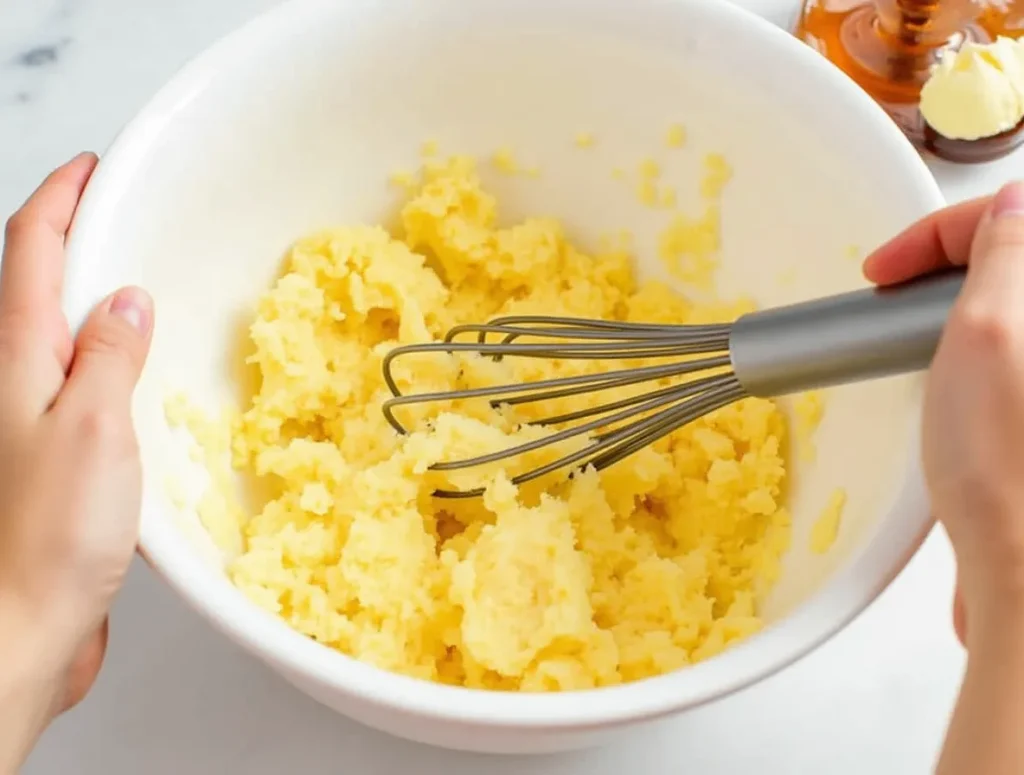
177	698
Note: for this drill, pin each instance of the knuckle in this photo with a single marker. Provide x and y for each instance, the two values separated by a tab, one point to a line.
987	328
17	225
103	428
109	342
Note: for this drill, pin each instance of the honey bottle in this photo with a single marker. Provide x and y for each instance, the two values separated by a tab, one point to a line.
890	46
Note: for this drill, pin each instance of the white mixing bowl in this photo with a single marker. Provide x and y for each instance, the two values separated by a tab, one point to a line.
295	121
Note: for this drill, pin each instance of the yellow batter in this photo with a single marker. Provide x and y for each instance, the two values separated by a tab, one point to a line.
649	566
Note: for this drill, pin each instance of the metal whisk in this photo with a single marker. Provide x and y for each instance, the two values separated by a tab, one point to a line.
852	337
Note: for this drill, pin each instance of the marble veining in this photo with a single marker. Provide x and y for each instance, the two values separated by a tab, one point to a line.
34	36
41	56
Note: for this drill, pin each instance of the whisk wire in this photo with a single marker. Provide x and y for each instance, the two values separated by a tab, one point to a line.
585	328
608	448
726	392
667	397
618	427
679	391
557	387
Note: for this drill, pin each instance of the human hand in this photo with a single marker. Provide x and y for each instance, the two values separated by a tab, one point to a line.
70	477
973	435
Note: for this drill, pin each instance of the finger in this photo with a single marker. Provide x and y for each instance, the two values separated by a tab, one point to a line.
35	342
109	355
31	376
992	301
33	263
941	240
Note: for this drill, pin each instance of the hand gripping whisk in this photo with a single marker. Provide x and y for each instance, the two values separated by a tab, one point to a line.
853	337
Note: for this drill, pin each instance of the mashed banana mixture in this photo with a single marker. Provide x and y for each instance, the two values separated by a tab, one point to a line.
649	566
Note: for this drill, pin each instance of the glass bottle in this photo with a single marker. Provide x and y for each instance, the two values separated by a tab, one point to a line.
889	47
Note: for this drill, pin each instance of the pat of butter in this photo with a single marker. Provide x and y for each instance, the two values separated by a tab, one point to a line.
976	92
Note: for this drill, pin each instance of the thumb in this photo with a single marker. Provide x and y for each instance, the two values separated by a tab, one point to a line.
993	292
110	352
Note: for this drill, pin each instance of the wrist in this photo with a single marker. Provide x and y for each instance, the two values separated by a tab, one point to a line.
30	681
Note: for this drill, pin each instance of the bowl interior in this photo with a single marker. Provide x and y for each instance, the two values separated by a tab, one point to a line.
258	144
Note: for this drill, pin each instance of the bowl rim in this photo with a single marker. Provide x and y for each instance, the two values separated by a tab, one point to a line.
308	663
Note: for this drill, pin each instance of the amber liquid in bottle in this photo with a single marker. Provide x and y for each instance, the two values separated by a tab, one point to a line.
889	47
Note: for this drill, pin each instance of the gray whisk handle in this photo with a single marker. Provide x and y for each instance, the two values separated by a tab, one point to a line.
852	337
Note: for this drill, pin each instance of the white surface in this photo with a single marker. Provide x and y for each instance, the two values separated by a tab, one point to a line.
175	697
178	197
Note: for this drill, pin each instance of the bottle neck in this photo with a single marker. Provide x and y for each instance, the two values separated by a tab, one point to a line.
925	24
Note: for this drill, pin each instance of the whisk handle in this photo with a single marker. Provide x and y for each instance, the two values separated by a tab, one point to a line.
852	337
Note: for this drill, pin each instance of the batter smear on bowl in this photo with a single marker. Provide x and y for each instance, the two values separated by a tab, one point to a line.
649	566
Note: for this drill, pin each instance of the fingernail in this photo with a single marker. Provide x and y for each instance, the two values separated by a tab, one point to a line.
1009	200
135	307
